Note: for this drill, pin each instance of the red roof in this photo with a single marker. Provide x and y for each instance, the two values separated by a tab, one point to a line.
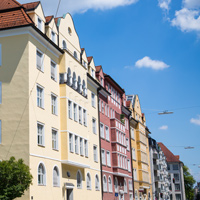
98	68
48	19
170	157
9	4
128	103
14	18
89	59
31	6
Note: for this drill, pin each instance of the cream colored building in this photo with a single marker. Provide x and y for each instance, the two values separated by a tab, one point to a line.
42	70
140	150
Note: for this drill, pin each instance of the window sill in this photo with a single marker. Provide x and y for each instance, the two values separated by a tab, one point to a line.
41	70
41	107
41	184
55	149
53	79
41	145
55	114
57	186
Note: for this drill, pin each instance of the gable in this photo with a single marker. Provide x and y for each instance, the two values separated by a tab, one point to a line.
137	106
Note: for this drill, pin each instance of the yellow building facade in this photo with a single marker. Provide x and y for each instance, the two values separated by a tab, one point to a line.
140	150
48	107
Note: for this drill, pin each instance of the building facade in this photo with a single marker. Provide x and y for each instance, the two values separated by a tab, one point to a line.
115	140
140	150
159	173
51	101
175	169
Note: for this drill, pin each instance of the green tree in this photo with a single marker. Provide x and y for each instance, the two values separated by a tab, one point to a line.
189	183
15	178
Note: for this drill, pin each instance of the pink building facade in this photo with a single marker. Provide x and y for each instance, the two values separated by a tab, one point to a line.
116	162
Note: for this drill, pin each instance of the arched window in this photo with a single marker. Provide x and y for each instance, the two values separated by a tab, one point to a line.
136	195
109	184
116	184
79	85
75	55
104	184
96	182
79	180
88	181
125	187
64	44
56	179
74	80
69	76
41	174
84	88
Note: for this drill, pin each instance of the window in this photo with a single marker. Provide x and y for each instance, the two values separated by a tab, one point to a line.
130	185
176	177
129	165
93	73
84	88
133	154
109	184
70	109
39	24
71	143
54	104
131	196
84	117
103	156
88	181
86	148
93	99
177	187
64	45
168	166
75	55
95	153
0	133
125	187
53	36
81	146
135	174
107	133
53	71
40	133
175	167
108	158
39	60
104	184
116	184
76	144
102	130
56	177
79	180
75	112
127	144
80	114
108	110
41	174
136	195
102	107
0	92
105	109
54	139
40	97
132	133
74	81
178	196
99	105
69	31
94	126
96	182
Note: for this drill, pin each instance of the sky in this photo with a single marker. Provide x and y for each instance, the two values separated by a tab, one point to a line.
151	48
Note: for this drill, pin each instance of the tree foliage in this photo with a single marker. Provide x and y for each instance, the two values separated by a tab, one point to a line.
15	178
189	183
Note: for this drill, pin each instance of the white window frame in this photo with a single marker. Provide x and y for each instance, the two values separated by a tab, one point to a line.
40	99
88	181
127	144
84	117
107	133
71	142
110	184
39	24
105	183
41	135
94	126
54	140
103	156
53	70
80	115
53	37
70	109
129	165
95	153
54	105
75	112
130	184
97	182
41	65
93	100
56	183
76	142
132	133
81	179
133	154
108	158
86	148
102	130
81	146
125	186
42	175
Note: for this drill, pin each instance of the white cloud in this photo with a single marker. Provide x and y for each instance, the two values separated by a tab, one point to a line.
147	62
195	121
187	20
80	6
194	4
164	127
164	4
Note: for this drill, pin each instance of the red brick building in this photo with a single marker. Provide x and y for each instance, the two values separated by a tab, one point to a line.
115	140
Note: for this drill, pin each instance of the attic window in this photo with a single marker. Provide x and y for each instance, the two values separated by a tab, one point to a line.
69	31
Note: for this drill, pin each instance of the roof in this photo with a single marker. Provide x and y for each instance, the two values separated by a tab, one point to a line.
170	157
48	19
128	103
31	6
9	4
89	59
14	18
98	68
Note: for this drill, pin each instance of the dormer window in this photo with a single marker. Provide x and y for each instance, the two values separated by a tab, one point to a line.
39	24
92	72
69	31
53	36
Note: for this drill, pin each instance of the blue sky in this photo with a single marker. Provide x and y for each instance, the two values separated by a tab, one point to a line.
151	48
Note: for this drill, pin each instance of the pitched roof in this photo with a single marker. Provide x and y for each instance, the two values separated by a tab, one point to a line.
48	19
31	6
170	157
89	59
14	18
9	4
128	103
98	68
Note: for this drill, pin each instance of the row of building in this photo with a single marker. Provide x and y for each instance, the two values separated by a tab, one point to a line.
81	135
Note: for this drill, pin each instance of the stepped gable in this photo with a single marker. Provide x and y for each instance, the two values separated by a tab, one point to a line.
169	155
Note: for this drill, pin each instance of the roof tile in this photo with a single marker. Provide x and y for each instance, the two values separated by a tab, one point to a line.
31	6
9	4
